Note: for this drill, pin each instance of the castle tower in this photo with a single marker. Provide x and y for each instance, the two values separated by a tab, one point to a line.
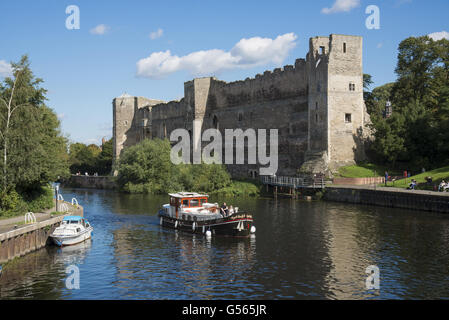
131	115
336	107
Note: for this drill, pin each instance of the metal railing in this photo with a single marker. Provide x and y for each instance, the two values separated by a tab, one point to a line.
315	182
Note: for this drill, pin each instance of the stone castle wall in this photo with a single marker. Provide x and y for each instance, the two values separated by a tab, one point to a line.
306	102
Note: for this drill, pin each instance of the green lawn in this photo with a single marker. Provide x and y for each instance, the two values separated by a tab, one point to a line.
436	174
362	170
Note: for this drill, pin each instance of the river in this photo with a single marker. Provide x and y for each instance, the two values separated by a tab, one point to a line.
301	250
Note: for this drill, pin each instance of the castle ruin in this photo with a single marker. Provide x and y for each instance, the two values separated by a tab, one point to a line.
316	105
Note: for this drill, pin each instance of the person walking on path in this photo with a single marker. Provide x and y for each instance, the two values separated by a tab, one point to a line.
386	178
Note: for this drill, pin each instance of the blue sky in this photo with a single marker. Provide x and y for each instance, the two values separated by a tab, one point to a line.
84	70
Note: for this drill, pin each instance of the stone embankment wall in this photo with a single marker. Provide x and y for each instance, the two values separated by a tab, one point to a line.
30	237
390	197
91	182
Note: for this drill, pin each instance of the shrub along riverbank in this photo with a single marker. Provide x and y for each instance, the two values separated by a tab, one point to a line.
147	168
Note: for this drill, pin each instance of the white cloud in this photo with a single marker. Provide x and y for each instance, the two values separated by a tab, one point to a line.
156	34
341	6
439	35
100	29
245	54
5	69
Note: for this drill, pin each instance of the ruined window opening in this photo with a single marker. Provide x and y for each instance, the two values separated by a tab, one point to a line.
318	87
316	117
322	50
240	116
316	105
351	86
215	122
344	47
347	117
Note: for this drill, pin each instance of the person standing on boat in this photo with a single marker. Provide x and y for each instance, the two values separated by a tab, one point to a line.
224	210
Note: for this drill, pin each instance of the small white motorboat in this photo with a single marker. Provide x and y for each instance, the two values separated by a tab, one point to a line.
73	230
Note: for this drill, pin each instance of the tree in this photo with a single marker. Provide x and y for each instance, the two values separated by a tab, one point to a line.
32	147
417	133
146	168
104	161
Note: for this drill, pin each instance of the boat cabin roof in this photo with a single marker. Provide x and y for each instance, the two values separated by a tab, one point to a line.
187	195
73	218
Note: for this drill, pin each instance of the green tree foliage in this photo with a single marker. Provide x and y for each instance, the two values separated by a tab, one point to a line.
147	168
91	158
104	159
32	147
417	133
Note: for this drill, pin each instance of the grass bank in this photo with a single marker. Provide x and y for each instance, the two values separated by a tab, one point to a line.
361	170
437	175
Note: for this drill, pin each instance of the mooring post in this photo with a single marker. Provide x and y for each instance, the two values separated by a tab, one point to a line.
57	195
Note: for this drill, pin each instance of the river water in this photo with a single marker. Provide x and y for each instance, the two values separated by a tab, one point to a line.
301	250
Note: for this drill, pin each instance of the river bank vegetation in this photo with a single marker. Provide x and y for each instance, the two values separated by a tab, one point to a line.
146	168
416	135
33	150
91	158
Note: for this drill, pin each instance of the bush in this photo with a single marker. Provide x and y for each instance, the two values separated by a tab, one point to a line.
11	204
40	199
147	168
239	189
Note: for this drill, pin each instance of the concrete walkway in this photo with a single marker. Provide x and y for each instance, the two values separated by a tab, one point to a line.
422	200
17	222
390	189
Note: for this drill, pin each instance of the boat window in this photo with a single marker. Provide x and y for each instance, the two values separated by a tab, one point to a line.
78	229
203	201
194	202
185	202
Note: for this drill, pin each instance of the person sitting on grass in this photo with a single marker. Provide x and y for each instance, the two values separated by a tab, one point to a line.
446	187
412	185
442	185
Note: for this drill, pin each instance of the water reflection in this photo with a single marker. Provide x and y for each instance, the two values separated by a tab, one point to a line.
301	250
176	265
41	274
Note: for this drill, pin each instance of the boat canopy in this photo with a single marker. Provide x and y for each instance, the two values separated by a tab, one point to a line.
187	195
73	218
